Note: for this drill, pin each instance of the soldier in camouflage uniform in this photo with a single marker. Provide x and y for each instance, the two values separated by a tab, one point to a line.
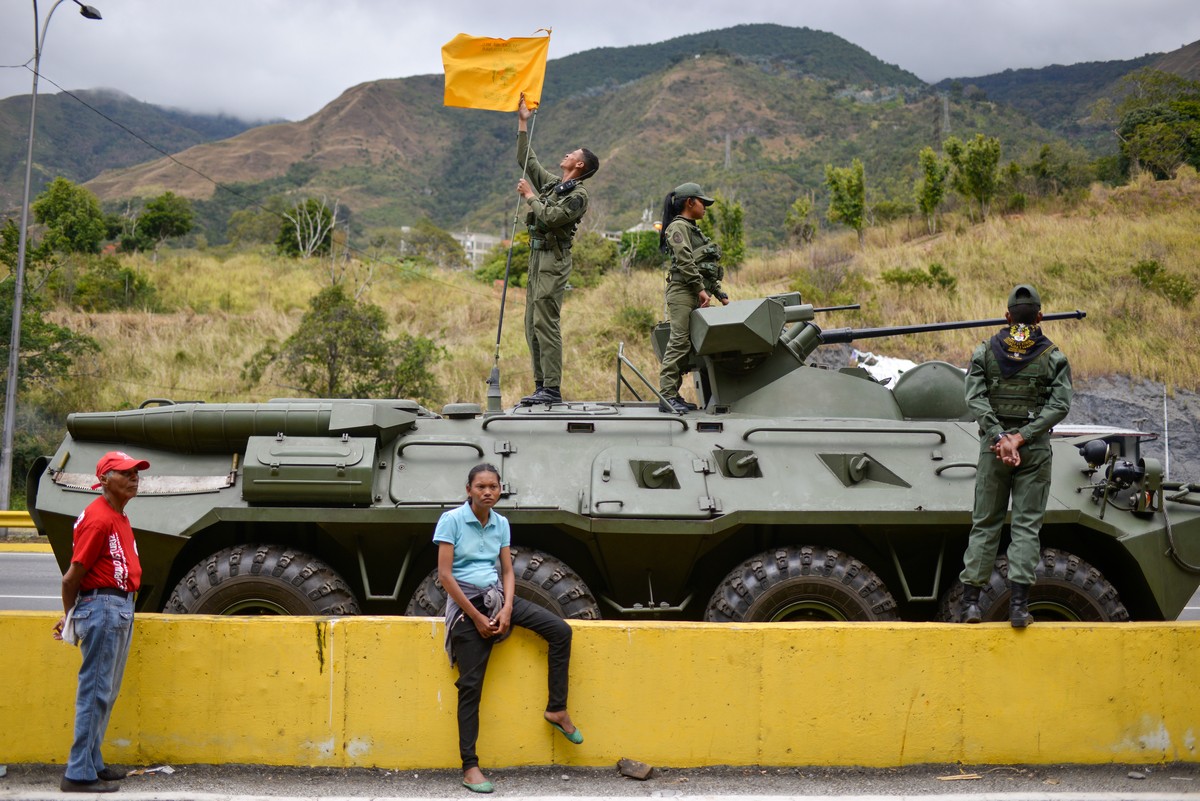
692	281
1018	387
556	205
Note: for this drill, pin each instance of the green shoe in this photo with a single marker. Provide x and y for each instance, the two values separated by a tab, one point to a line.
482	787
575	736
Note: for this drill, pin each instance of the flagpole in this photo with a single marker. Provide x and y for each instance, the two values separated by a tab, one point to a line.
493	391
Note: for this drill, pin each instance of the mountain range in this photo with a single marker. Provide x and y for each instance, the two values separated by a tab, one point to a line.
77	142
754	112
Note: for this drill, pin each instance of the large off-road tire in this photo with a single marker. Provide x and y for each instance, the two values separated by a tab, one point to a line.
540	578
262	579
1067	588
801	583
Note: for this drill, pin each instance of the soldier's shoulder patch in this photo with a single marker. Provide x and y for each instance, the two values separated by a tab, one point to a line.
677	238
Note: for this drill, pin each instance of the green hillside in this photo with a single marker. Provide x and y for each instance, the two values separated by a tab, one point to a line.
391	153
1057	97
74	142
802	51
755	112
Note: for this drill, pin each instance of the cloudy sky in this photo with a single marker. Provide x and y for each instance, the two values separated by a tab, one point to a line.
261	59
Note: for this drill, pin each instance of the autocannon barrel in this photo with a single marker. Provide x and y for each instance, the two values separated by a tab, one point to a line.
200	428
835	336
197	428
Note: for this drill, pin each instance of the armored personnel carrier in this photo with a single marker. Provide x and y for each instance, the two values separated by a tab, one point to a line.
794	493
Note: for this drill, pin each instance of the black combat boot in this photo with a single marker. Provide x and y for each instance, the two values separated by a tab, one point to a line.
545	395
1018	607
970	604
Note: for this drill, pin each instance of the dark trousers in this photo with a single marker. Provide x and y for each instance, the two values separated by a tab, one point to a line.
472	651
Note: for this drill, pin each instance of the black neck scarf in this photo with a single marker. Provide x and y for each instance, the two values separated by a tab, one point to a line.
1016	346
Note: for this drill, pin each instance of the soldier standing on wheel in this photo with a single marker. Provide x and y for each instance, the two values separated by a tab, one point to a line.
555	207
1018	388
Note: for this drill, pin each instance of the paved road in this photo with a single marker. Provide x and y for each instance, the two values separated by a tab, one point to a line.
31	581
989	783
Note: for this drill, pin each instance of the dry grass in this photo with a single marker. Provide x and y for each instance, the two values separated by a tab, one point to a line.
226	309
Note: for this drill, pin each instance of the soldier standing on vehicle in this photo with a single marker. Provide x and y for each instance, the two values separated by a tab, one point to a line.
556	204
97	594
692	281
1018	387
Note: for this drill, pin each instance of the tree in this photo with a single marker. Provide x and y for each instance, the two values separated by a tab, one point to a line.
976	169
497	259
165	217
48	350
307	229
800	228
1162	137
592	256
848	197
725	224
931	187
1059	168
258	225
341	350
430	243
639	249
1150	88
72	216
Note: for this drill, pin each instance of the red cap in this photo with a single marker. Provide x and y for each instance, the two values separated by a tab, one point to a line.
118	460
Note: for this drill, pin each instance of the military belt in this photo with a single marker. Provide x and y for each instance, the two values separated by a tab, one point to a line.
546	244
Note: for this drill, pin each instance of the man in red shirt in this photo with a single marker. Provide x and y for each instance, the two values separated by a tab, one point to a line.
100	585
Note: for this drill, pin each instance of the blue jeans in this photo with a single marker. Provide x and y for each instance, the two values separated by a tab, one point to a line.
104	624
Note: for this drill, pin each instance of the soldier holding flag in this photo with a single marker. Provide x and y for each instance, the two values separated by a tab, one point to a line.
502	75
555	208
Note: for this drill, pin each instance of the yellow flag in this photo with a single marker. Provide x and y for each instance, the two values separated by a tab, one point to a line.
491	74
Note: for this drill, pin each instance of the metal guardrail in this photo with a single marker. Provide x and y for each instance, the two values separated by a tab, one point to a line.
15	520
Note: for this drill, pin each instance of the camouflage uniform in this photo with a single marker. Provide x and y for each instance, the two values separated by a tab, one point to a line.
695	266
552	219
1030	402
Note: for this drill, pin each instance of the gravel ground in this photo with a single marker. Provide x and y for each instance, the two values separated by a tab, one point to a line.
1177	780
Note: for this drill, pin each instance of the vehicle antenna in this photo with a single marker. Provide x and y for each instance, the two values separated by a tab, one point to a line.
494	405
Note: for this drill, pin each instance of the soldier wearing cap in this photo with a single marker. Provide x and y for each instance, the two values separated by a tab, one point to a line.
692	281
556	204
98	593
1018	388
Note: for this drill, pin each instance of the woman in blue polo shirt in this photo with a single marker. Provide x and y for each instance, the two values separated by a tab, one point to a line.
481	609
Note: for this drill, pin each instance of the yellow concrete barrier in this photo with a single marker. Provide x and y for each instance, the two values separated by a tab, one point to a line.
15	519
379	692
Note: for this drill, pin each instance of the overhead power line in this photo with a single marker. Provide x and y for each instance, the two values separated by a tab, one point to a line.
359	252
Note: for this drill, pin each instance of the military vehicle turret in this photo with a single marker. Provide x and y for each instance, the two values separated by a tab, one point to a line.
795	493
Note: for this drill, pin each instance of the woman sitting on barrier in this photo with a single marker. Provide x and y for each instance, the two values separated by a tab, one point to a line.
481	607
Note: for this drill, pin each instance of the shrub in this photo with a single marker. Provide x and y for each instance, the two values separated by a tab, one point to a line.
636	320
640	249
1177	288
935	276
830	284
591	257
493	267
102	285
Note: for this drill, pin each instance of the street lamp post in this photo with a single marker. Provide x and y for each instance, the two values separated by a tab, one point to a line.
14	345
